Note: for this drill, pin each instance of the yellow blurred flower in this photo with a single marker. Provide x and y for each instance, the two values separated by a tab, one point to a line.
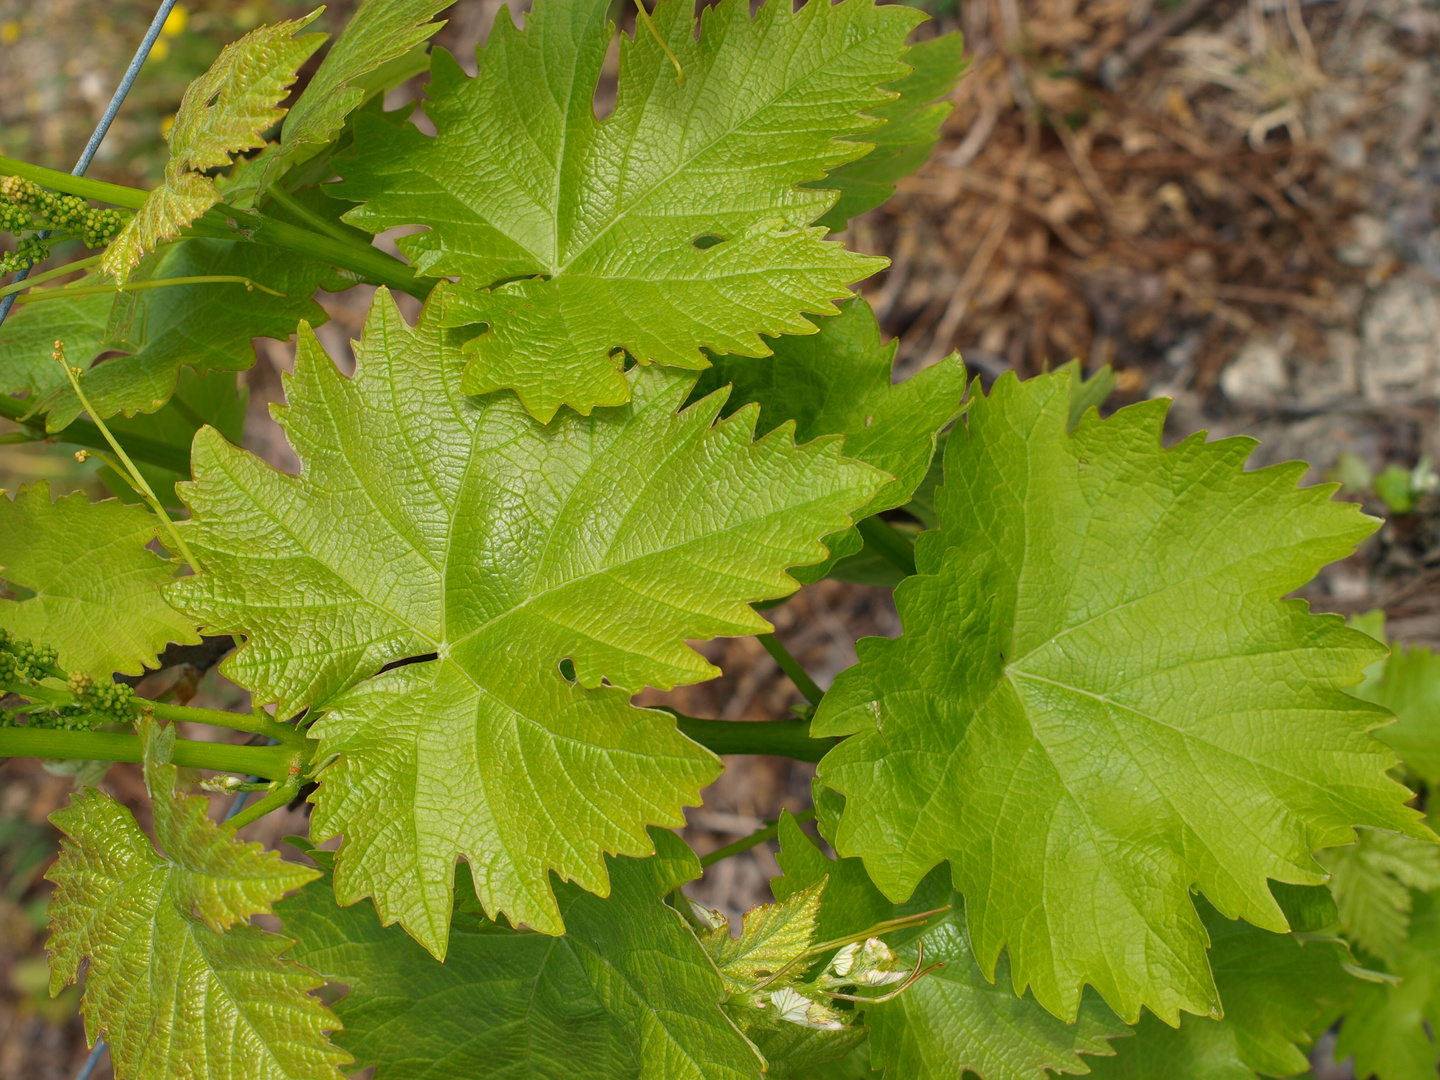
165	126
160	50
175	22
9	32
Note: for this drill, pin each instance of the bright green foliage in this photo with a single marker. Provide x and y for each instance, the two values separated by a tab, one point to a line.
606	231
96	587
378	32
837	382
175	985
428	523
771	937
205	327
953	1020
1273	987
912	126
215	399
1100	700
1386	1027
1408	684
1371	881
224	111
626	993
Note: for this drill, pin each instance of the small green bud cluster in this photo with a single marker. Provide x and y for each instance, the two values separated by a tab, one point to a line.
26	205
112	700
21	660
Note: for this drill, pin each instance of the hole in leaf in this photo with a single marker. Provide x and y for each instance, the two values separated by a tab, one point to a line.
426	658
567	670
707	241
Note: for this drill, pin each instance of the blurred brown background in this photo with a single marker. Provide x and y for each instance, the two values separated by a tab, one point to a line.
1231	201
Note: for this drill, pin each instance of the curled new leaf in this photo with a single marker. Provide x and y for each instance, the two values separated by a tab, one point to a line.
224	111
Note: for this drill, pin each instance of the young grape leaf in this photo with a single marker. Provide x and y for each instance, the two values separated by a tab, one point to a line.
771	936
205	327
676	224
953	1020
1408	684
491	548
1097	625
378	32
176	986
626	993
1390	1028
224	111
1371	881
911	129
1273	988
215	399
96	588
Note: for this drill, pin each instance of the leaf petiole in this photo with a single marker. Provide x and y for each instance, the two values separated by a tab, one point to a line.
759	836
279	796
889	543
791	667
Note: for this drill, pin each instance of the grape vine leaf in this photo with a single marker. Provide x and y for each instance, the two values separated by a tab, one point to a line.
1372	880
1096	650
626	993
179	983
771	936
953	1020
1407	683
224	111
673	225
501	547
1390	1027
379	32
904	141
202	326
95	587
1274	988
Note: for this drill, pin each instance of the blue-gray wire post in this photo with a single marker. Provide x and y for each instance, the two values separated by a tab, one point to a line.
98	135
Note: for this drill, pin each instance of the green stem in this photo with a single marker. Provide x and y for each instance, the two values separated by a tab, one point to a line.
760	836
257	723
271	762
369	262
136	479
791	667
889	543
782	738
84	433
128	197
644	17
135	286
308	217
274	801
48	275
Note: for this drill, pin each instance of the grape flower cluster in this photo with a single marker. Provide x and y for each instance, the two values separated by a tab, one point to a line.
25	205
22	661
